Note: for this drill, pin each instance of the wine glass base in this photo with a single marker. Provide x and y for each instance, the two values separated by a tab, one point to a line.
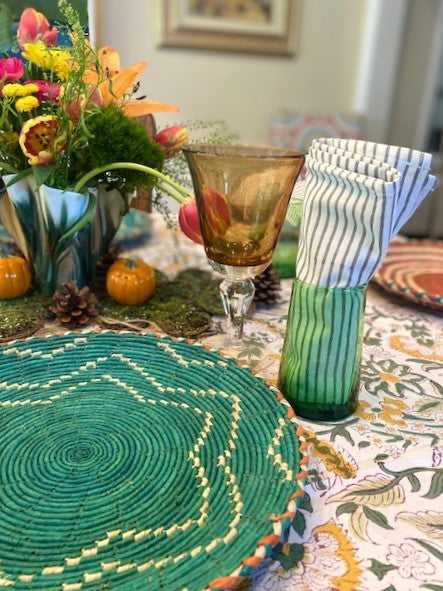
234	273
223	342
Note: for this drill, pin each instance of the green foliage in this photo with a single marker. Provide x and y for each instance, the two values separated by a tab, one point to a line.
116	138
380	569
5	28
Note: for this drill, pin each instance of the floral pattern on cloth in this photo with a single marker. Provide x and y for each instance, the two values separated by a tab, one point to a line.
372	516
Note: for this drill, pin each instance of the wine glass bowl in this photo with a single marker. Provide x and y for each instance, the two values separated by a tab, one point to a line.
242	193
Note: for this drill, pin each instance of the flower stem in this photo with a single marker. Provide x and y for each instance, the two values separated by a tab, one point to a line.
165	185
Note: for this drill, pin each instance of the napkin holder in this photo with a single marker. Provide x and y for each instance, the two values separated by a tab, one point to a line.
321	359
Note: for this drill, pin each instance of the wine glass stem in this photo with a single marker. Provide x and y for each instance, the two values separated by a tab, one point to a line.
236	296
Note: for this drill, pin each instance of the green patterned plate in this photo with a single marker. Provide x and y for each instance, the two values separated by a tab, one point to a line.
133	462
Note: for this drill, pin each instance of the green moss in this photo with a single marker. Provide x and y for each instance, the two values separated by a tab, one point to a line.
22	316
182	307
117	138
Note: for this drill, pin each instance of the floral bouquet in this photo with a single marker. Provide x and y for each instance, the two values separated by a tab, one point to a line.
72	149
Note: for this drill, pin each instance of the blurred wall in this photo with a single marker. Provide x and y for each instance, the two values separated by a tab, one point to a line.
244	90
407	126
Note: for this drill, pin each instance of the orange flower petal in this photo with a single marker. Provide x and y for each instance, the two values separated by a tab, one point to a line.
123	82
109	60
138	108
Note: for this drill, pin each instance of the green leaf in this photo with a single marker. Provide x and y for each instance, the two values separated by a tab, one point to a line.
343	432
436	487
288	559
85	219
8	168
42	172
380	569
346	508
433	587
299	523
430	548
6	24
19	176
377	517
390	588
315	478
428	405
305	503
415	482
363	444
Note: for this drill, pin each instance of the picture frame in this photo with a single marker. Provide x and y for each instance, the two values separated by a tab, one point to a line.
251	26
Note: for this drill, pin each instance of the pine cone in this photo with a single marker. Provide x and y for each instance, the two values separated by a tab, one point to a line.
267	287
74	307
103	264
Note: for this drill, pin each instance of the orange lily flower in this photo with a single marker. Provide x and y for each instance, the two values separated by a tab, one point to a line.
119	84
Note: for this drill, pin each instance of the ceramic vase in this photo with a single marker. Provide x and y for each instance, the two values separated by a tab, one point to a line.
41	219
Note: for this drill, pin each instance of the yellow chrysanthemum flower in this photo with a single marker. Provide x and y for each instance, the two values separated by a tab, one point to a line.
30	89
26	103
15	90
48	58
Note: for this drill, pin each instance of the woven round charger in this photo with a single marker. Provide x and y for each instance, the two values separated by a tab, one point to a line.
135	462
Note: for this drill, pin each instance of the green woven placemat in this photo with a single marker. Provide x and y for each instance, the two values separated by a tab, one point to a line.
134	462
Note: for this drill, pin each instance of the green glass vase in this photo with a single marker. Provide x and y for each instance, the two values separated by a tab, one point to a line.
321	358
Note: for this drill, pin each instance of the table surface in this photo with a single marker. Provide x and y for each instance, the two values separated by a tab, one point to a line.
372	517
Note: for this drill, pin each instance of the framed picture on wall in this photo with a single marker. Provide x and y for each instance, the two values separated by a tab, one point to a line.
255	26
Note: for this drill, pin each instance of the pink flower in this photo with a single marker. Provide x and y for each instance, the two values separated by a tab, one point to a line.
172	139
411	562
33	26
47	91
188	220
11	70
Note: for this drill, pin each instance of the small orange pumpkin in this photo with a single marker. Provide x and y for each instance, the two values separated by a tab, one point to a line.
130	281
15	277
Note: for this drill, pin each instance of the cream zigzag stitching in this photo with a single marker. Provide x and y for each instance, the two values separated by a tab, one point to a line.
277	459
54	352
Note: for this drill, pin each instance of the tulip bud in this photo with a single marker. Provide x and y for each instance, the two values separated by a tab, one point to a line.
188	220
217	211
172	139
33	26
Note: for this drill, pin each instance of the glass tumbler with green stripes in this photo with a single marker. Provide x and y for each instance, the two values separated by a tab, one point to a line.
321	358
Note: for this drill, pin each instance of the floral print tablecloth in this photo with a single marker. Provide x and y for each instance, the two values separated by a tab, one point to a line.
372	518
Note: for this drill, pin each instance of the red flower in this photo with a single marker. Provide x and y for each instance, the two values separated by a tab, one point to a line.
47	91
33	26
216	210
172	139
188	220
11	70
39	139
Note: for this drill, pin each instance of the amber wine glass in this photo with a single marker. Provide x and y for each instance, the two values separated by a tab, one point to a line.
242	193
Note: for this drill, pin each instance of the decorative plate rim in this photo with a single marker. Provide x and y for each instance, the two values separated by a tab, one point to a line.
406	291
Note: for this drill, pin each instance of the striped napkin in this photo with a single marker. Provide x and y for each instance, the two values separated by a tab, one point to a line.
357	197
